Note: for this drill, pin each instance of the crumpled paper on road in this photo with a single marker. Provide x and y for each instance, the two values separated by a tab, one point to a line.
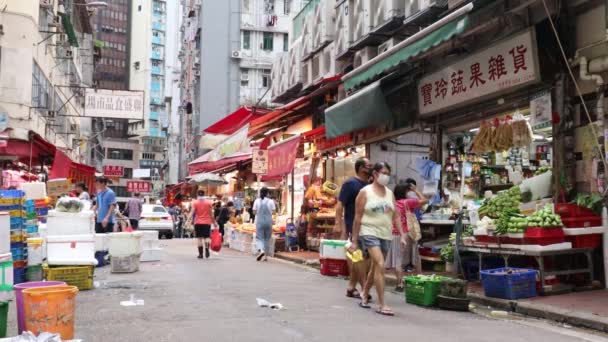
43	337
263	303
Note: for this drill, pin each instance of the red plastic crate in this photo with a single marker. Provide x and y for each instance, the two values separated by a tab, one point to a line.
334	267
486	238
582	222
585	241
571	210
544	236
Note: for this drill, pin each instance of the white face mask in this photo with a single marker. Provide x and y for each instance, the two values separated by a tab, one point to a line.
384	179
201	197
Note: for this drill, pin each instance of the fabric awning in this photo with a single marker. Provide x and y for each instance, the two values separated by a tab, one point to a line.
259	124
403	54
199	165
64	167
239	118
367	108
282	157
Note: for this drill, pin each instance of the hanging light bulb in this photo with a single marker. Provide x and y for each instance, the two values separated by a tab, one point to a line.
341	153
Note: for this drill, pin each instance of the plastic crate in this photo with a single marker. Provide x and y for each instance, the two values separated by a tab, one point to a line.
453	304
19	254
79	276
44	211
568	210
41	203
19	275
10	201
34	273
12	193
31	229
16	213
421	291
42	219
509	283
544	236
18	236
585	241
454	288
334	267
582	221
10	207
16	221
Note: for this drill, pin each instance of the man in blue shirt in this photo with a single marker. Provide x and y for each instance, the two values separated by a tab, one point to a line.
105	206
345	215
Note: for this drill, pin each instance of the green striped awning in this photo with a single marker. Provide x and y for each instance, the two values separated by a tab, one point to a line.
366	108
69	29
434	39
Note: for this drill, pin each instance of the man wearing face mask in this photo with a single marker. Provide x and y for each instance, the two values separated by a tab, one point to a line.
345	214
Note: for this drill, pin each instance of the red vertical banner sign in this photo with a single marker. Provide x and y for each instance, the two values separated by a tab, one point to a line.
282	157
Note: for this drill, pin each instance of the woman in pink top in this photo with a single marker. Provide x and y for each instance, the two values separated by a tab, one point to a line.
202	217
398	256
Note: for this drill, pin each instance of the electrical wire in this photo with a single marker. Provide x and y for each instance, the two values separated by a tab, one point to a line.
578	89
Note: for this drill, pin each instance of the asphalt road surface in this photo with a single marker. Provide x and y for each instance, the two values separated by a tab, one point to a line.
187	299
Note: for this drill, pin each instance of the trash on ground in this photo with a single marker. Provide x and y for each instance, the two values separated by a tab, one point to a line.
263	303
132	301
499	314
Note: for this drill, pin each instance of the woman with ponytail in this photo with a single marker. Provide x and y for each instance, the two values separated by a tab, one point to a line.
263	208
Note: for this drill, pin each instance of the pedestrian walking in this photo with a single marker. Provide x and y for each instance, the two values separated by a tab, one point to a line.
224	216
263	208
105	204
202	218
345	215
133	209
401	256
82	192
375	216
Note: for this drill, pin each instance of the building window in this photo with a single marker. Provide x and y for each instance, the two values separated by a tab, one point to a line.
285	42
246	40
265	78
244	77
128	172
245	6
286	6
119	154
149	156
269	6
268	40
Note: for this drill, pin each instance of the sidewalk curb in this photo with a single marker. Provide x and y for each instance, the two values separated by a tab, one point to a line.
548	312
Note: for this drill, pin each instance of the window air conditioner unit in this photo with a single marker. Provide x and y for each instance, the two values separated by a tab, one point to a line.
69	53
245	76
387	45
62	37
237	54
56	22
51	114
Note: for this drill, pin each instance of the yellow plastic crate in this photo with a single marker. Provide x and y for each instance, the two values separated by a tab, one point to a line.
16	213
79	276
11	201
18	236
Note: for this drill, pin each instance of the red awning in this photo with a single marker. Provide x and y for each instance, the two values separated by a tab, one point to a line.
314	134
210	166
64	167
236	120
259	125
282	157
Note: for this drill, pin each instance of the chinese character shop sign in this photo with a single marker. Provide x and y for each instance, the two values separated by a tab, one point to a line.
510	64
113	171
120	104
138	186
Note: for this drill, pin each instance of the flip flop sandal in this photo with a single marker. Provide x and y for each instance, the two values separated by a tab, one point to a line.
385	312
364	305
399	288
354	293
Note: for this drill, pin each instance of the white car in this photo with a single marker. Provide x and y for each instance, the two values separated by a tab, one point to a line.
156	217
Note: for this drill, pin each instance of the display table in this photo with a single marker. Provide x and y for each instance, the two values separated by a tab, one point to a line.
538	256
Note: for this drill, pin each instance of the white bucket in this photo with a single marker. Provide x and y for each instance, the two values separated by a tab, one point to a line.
35	253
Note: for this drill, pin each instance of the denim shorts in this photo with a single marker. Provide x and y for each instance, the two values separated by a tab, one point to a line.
368	241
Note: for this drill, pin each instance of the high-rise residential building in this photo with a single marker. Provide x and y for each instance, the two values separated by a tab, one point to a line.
114	145
150	65
228	49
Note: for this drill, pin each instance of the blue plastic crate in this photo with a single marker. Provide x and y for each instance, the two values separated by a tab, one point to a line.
18	245
31	229
42	219
19	275
19	254
10	207
16	220
44	211
509	283
30	203
470	266
12	193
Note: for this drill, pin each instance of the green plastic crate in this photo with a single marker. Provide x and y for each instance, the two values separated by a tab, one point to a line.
3	318
421	291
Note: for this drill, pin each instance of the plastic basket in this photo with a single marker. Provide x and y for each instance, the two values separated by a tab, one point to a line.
334	267
568	210
585	241
454	288
31	229
422	292
10	201
3	318
509	283
544	236
12	193
453	304
44	211
17	236
582	221
79	276
18	275
16	213
34	273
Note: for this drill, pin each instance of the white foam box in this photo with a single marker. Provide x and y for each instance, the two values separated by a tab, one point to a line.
60	223
124	244
149	240
151	255
332	249
36	190
5	233
71	250
35	253
554	247
102	242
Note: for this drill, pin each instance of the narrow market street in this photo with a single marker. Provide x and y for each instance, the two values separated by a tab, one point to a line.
186	299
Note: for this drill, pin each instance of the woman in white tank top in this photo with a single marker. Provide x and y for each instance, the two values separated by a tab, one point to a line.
375	216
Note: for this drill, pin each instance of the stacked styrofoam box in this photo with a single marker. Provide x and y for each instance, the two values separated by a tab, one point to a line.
125	251
70	238
150	246
5	233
